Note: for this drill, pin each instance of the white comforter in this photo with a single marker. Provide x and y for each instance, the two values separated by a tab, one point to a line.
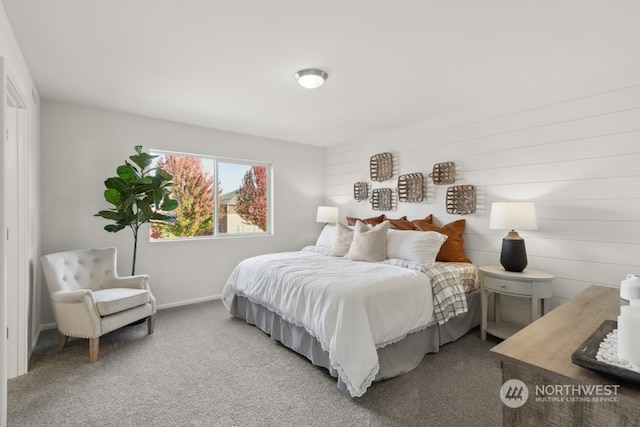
351	307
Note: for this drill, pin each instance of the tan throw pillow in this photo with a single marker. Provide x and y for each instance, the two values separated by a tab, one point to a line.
342	242
369	244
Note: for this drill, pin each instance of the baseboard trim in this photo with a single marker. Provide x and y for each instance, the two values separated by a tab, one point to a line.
188	302
48	326
42	328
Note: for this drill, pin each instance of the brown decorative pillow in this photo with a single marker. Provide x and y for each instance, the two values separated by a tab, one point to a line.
401	224
417	222
369	221
451	250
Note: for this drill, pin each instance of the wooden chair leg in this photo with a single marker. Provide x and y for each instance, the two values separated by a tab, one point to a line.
151	320
94	346
62	342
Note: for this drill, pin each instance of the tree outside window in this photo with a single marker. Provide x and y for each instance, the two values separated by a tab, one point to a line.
245	208
242	205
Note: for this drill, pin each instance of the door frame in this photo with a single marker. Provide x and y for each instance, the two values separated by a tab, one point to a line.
16	236
3	282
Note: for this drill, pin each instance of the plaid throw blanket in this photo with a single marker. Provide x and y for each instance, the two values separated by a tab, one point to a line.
450	282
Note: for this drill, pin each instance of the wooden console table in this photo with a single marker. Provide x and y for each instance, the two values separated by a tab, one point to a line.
540	354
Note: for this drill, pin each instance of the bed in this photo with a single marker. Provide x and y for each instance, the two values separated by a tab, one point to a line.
362	320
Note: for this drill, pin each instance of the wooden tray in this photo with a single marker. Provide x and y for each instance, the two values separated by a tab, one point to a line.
585	355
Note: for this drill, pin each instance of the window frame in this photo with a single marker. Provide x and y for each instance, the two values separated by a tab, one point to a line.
216	187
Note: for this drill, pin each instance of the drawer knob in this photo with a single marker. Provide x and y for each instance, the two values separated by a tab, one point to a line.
502	285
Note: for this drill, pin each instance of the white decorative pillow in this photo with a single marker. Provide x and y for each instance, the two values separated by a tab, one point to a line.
342	241
369	244
417	246
327	237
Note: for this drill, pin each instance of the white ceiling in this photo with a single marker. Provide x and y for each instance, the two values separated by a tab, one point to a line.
229	64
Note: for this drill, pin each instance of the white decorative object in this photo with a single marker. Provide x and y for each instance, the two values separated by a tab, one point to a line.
608	352
630	288
629	332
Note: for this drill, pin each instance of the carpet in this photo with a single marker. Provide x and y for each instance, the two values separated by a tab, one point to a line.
203	367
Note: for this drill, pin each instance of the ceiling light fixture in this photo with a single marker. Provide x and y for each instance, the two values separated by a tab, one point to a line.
311	78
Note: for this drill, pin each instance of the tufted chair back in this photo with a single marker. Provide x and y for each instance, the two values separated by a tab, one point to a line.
82	269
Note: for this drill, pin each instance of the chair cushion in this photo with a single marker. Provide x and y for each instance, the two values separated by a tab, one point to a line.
110	301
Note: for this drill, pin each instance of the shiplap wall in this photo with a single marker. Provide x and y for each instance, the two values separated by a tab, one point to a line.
578	160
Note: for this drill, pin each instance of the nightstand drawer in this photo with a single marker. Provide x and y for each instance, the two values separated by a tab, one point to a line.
507	286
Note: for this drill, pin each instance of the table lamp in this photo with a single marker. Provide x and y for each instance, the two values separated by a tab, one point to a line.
512	216
327	214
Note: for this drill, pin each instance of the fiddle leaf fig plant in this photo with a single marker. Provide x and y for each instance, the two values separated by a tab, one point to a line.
140	194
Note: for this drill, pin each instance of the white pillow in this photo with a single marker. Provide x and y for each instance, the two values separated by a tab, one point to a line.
342	241
369	244
417	246
327	237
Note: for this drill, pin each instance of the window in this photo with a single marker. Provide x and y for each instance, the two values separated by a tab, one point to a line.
242	205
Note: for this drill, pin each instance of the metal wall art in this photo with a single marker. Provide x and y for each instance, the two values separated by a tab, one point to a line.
444	173
461	199
381	166
381	199
360	191
411	187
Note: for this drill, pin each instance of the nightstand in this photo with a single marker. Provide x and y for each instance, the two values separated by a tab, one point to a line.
532	284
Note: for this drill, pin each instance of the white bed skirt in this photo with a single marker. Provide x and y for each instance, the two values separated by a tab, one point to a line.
394	359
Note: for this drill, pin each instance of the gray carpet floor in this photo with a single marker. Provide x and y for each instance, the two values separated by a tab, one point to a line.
204	368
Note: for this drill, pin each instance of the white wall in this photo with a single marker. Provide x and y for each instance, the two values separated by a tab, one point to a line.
578	160
13	66
82	147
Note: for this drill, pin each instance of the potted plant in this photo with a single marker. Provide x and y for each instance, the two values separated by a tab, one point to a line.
139	194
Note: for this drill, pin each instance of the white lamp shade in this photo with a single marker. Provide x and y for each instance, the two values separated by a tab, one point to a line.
327	214
513	216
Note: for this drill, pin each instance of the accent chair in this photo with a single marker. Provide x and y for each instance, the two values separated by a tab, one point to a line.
89	299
